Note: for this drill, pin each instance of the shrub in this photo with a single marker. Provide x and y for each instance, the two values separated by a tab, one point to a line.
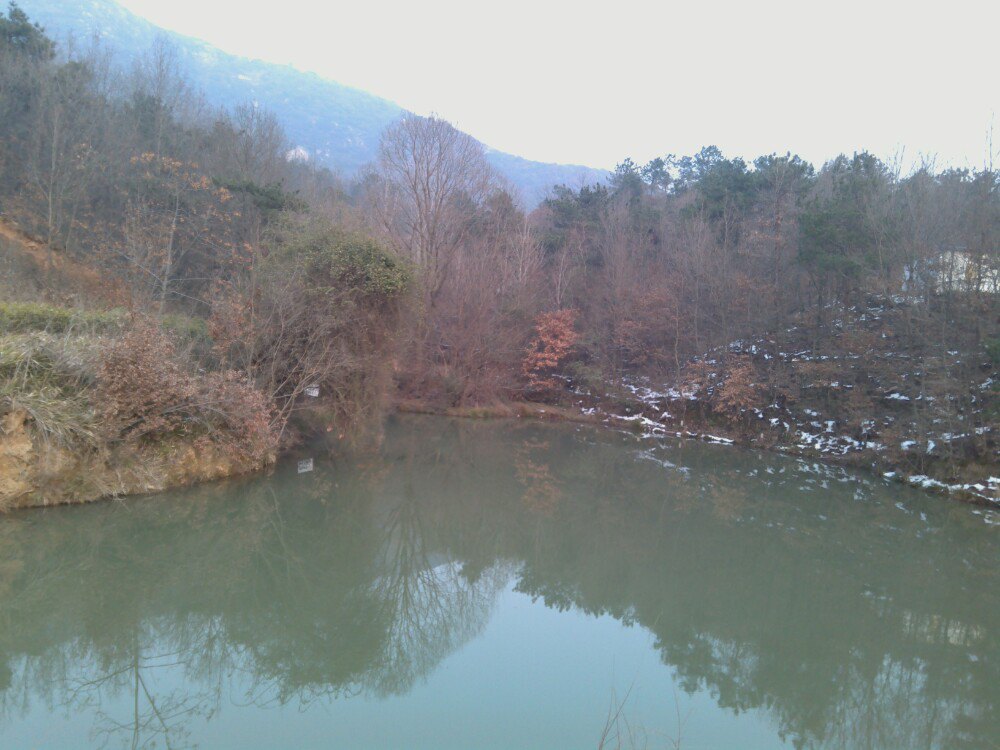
335	260
144	392
321	308
553	341
587	376
739	392
238	415
141	388
20	317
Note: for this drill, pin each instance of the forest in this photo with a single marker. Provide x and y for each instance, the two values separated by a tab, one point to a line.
173	273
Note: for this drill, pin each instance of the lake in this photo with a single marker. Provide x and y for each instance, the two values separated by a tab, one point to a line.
507	585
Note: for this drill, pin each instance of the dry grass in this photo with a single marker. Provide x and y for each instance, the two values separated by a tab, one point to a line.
503	410
49	377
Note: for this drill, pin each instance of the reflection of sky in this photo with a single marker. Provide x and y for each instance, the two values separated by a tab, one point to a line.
535	678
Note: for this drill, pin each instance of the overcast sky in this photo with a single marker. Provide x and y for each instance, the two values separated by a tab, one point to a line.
592	83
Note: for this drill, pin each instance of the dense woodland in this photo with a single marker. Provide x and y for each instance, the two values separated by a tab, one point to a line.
238	275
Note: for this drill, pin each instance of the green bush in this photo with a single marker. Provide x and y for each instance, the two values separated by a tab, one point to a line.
22	317
27	317
188	331
993	350
588	377
333	259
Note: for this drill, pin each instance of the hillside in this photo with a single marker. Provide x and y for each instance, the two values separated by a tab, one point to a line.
866	388
846	313
28	270
337	125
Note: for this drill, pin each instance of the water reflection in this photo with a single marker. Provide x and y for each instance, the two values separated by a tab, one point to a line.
857	615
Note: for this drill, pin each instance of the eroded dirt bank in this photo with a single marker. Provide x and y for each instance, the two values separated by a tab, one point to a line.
33	474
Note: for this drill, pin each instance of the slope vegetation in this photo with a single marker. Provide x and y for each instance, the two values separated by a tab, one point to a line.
338	126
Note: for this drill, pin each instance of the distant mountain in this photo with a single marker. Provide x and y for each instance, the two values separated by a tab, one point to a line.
337	125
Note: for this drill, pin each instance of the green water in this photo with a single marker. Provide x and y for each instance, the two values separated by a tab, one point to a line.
503	585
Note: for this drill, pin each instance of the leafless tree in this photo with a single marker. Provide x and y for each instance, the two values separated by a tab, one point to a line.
258	151
158	79
429	178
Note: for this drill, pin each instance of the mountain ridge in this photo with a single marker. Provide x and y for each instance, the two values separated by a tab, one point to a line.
339	126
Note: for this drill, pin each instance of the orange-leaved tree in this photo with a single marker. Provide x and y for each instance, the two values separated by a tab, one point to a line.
554	339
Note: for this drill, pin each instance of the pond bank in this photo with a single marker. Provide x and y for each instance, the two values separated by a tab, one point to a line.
69	478
34	474
505	410
670	413
644	413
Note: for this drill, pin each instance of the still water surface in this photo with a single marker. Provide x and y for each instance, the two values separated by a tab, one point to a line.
502	585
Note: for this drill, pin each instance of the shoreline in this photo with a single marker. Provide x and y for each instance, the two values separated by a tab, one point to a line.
38	475
634	424
169	467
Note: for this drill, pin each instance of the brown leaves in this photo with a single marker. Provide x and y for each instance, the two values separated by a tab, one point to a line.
241	415
554	340
143	392
740	391
141	388
731	387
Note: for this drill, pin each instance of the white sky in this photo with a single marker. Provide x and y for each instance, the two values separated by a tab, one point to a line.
593	83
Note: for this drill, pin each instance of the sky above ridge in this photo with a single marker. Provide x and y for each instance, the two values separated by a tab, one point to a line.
581	83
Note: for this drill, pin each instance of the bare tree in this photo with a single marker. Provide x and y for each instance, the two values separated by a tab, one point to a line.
257	153
427	178
62	151
160	92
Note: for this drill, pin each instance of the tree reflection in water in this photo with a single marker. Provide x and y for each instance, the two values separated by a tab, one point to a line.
856	615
